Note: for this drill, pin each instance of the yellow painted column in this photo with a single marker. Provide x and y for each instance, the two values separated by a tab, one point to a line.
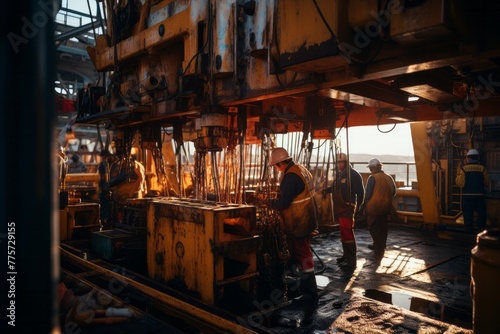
425	175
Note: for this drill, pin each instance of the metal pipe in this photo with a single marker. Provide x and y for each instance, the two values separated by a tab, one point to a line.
215	175
82	177
180	180
242	171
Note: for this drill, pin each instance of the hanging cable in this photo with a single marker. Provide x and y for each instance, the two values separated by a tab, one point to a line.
380	113
348	164
322	264
99	138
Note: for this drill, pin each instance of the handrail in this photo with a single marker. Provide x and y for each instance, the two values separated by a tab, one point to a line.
407	164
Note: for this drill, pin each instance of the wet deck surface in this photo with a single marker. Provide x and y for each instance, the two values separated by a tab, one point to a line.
423	282
422	285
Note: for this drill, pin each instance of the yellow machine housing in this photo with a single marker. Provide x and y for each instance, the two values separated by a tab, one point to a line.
202	247
80	221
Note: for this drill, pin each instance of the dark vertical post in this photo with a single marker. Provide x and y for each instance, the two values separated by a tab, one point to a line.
28	187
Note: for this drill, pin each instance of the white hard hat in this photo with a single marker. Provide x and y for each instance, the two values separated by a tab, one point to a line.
342	157
374	162
473	152
278	155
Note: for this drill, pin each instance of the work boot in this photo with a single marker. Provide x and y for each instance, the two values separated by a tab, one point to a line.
309	290
343	257
351	260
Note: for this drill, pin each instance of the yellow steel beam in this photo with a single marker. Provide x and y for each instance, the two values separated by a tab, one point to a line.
179	26
425	175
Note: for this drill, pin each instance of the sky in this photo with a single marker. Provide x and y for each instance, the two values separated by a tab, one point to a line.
369	140
80	6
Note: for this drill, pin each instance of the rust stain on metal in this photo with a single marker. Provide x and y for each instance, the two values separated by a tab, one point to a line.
306	53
